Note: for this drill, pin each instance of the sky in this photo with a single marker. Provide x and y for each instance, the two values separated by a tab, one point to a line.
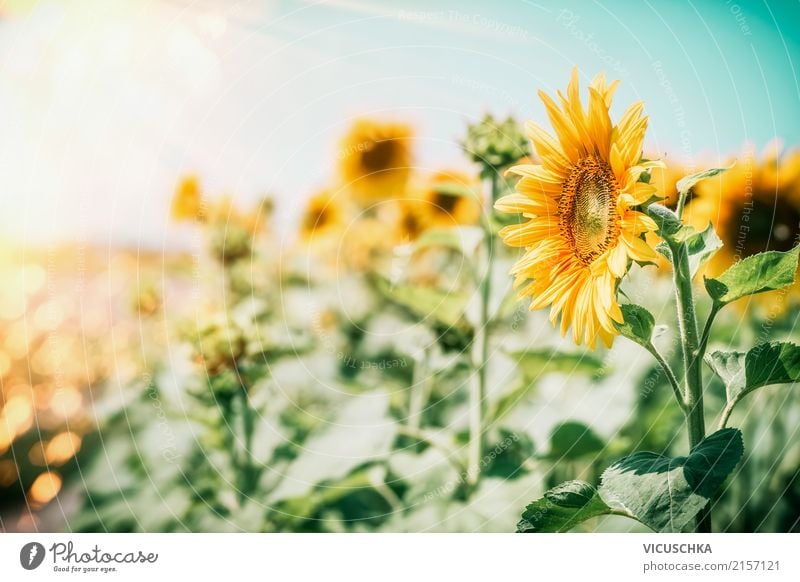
105	104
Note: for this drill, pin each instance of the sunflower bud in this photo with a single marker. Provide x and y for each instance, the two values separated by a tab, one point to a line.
495	144
218	345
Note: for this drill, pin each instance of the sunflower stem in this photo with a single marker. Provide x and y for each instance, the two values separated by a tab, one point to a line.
673	381
477	397
707	330
692	356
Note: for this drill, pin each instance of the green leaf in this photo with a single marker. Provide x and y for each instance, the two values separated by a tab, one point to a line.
638	324
562	508
755	274
702	246
686	183
666	493
572	440
764	365
668	222
456	189
446	307
535	363
463	239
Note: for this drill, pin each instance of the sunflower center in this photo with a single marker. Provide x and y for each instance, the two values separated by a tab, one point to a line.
587	208
772	225
316	218
378	155
444	202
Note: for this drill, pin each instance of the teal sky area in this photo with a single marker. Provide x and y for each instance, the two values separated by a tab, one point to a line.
106	105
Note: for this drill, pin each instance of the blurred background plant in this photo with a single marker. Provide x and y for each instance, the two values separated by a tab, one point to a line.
348	354
377	374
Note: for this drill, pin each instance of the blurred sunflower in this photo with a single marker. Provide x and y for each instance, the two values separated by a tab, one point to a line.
409	223
322	216
224	211
582	229
231	232
365	243
754	207
375	160
450	198
187	202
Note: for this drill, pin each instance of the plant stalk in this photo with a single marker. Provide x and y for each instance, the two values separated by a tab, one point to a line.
247	470
673	381
477	396
692	357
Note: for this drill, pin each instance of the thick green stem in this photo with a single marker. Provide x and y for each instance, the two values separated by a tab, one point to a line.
477	396
692	357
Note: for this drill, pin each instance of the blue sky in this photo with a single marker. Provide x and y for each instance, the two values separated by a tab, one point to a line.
106	104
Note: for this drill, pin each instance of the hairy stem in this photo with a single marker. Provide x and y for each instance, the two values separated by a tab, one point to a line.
707	330
673	381
692	357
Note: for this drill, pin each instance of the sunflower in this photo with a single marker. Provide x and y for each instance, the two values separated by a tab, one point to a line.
224	211
408	220
365	244
446	200
754	207
375	160
187	202
582	228
322	215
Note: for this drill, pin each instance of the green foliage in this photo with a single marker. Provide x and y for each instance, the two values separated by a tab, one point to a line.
495	144
764	365
686	183
701	246
572	440
638	324
666	493
533	364
756	274
446	307
669	225
463	240
562	508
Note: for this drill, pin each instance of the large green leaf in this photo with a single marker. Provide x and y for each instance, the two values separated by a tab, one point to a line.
766	364
573	440
464	239
562	508
362	432
535	363
638	324
427	302
755	274
666	493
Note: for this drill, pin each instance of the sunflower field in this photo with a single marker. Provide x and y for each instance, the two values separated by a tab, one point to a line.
561	332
